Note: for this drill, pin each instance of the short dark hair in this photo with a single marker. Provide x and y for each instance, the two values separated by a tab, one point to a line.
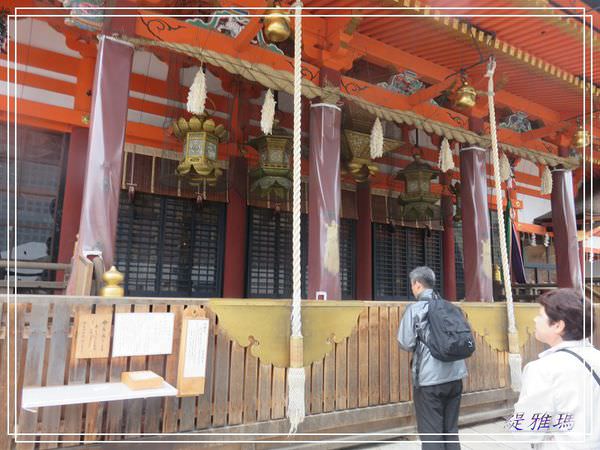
569	306
423	275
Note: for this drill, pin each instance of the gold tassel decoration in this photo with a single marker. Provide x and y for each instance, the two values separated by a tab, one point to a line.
197	94
546	187
505	171
376	140
445	161
267	115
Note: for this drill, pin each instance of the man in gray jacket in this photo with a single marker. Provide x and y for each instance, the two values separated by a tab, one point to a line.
437	385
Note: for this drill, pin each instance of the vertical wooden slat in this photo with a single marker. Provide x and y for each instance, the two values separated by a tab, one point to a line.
134	408
316	388
204	419
329	382
156	363
221	379
307	388
352	351
384	356
341	375
34	365
55	376
373	356
250	387
114	410
77	374
236	384
264	391
394	356
363	359
278	396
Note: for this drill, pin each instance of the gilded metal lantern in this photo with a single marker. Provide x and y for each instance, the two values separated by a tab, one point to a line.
201	138
466	96
274	174
580	137
356	154
418	202
276	25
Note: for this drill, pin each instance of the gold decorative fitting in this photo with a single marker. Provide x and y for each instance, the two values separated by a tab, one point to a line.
85	119
264	325
356	157
201	137
113	279
466	96
276	25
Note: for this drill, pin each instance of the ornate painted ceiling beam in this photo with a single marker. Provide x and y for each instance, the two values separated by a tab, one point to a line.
386	54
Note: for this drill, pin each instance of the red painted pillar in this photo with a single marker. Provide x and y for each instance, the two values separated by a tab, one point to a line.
69	225
324	195
235	241
364	242
568	269
476	225
449	258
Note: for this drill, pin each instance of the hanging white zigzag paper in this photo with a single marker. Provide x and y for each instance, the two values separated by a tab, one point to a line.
445	161
546	187
197	95
267	115
376	147
505	171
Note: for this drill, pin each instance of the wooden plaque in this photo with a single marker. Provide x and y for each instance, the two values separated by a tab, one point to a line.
191	370
93	335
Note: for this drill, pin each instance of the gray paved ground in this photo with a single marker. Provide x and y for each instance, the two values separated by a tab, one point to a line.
473	437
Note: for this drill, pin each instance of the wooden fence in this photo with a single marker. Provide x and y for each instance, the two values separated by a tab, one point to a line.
364	380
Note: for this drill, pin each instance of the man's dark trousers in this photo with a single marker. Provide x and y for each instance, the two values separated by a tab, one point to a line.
437	409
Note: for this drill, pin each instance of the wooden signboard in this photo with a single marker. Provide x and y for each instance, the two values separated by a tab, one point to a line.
93	335
191	371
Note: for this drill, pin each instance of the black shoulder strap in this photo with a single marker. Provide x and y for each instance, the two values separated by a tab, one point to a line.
585	363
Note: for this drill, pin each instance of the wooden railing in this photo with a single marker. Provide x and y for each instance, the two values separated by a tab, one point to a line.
48	273
362	385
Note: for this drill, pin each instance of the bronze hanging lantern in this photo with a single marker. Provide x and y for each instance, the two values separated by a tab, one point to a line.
580	138
201	138
417	203
273	177
466	95
276	25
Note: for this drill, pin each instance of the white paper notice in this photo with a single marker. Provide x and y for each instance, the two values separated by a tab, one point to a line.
137	334
196	343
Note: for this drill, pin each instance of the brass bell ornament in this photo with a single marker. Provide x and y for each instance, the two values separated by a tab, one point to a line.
580	138
466	95
276	25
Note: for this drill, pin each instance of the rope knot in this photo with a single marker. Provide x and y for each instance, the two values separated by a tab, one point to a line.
491	67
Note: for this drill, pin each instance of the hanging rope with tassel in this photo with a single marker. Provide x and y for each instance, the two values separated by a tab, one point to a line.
267	115
376	141
197	94
546	187
445	161
514	355
295	373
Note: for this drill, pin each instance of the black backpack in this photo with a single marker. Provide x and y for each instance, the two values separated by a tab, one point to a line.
450	336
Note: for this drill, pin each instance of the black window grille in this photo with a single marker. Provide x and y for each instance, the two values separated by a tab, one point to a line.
168	246
269	258
495	238
459	260
398	250
348	258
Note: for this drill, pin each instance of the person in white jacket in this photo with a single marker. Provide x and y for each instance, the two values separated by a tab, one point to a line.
559	404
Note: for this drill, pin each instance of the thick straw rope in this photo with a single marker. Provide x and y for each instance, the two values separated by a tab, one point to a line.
514	357
296	375
282	80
